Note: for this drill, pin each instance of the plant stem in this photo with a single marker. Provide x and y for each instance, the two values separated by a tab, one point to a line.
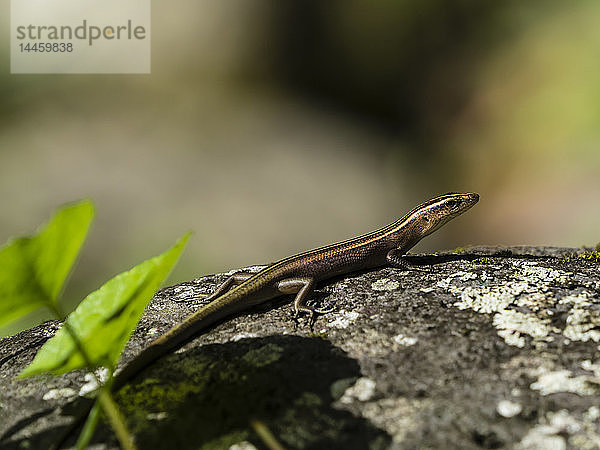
116	420
88	429
265	434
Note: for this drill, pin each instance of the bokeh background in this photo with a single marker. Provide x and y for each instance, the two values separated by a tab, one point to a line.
269	127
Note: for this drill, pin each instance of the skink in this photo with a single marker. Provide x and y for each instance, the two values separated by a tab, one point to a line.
300	273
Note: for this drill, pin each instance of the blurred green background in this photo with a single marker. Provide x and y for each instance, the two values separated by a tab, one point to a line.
272	127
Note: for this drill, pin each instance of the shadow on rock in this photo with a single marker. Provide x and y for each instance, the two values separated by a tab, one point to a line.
207	397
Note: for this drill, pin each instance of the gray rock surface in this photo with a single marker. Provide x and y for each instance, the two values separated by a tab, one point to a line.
487	348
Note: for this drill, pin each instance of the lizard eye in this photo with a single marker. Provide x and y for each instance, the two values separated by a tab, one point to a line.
452	203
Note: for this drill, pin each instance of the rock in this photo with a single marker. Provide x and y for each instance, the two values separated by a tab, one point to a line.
489	348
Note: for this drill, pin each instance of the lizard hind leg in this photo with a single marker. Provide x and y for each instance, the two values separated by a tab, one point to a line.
302	287
234	280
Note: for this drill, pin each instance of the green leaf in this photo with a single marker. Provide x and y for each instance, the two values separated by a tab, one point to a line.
33	269
105	319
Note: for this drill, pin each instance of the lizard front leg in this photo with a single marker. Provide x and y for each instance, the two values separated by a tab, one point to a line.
395	258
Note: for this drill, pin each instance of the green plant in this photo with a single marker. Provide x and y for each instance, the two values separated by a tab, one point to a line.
33	271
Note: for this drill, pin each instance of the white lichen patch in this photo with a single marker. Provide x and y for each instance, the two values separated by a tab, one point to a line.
535	301
91	381
90	386
529	281
541	437
564	422
583	322
363	390
513	325
508	409
405	341
591	367
592	414
551	378
488	299
243	445
344	319
580	432
461	276
528	289
531	271
564	381
385	284
588	438
55	394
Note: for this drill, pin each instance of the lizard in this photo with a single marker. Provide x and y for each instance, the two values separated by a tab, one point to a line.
300	273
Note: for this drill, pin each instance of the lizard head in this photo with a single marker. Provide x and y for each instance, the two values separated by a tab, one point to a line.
438	211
